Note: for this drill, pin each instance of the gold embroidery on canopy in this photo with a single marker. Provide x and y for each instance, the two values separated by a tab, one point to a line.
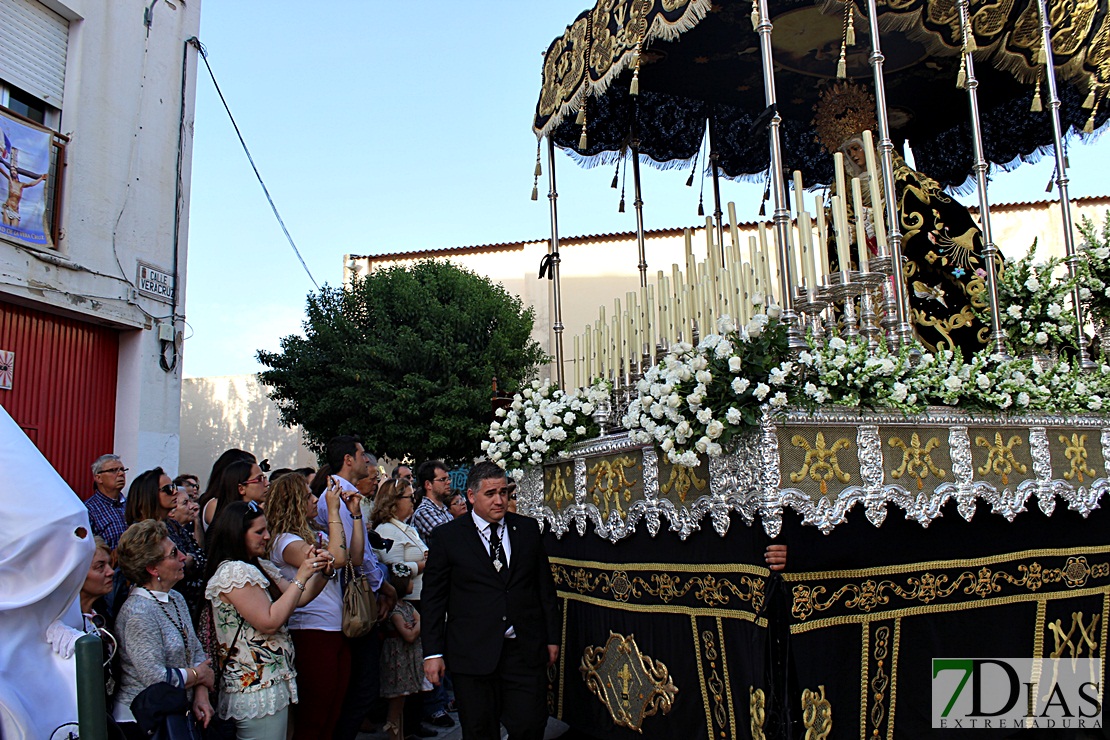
681	480
1075	450
632	686
816	714
917	462
1000	457
820	462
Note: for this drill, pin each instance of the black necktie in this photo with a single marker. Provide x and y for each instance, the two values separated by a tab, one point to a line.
495	552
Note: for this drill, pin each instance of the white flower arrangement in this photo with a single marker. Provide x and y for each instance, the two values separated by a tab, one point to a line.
848	373
694	400
1039	315
542	422
1094	281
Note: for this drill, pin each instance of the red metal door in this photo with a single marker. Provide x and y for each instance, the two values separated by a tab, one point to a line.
63	391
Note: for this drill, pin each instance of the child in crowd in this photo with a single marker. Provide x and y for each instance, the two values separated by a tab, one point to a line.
402	665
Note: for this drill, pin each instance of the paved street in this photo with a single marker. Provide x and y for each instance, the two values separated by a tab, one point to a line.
555	729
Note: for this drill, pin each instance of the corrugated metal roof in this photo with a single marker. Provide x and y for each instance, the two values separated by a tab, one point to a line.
619	235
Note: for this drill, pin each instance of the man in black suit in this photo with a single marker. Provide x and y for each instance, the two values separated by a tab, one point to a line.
489	610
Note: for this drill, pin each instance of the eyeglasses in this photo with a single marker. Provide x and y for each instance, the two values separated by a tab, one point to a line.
445	479
168	489
113	471
259	479
194	486
172	554
252	508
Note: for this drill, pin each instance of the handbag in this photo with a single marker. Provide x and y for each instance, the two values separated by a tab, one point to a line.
162	711
211	642
360	606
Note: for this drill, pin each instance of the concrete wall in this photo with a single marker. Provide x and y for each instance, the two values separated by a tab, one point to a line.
227	411
121	110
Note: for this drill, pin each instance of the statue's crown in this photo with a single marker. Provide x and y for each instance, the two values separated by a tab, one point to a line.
843	110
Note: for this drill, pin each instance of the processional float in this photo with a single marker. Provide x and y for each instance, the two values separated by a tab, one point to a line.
672	622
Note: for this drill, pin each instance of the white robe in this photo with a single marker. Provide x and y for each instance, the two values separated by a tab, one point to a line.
43	563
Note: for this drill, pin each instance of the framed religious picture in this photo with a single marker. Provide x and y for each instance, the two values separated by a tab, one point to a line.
24	181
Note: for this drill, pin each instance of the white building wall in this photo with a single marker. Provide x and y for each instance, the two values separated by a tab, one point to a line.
122	108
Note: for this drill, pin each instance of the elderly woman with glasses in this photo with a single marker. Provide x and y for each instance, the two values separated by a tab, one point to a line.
156	639
251	602
392	506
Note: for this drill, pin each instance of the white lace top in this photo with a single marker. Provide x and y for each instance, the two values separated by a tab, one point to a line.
259	678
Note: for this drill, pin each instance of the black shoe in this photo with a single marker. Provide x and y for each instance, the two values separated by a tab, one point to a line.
442	719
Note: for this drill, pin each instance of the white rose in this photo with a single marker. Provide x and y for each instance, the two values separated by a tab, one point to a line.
713	449
1095	403
580	430
704	376
704	416
778	400
1023	399
1014	311
1040	338
899	391
568	418
761	391
837	344
1032	284
733	416
734	364
774	311
701	444
739	385
982	381
953	383
667	444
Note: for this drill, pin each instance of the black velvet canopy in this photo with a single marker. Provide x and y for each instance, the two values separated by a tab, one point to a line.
700	63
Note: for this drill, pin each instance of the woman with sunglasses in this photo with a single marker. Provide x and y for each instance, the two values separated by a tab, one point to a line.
251	602
211	490
323	656
156	639
241	480
95	613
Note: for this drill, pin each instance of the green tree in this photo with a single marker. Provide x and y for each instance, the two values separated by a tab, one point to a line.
404	358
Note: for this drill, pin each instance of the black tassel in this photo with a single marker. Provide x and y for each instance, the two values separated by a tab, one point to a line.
701	208
616	175
620	208
690	180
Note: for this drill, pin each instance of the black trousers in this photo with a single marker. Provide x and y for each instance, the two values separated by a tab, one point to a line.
364	687
514	695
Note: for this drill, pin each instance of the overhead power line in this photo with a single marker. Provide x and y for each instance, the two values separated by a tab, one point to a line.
289	237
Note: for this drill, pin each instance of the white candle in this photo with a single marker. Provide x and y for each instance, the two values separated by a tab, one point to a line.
616	364
690	264
798	192
589	354
601	329
873	182
822	225
861	231
710	246
734	255
652	334
743	274
577	363
842	253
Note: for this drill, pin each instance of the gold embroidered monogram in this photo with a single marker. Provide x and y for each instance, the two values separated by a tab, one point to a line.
917	462
757	710
681	480
631	685
610	483
820	462
556	480
1000	457
1075	450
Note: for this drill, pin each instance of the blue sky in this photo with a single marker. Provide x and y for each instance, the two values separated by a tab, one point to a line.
386	127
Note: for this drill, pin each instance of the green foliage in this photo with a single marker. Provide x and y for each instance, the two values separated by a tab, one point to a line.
405	359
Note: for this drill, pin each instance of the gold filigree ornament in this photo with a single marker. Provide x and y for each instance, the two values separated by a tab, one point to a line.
820	462
631	685
757	709
681	480
917	462
1000	457
816	714
1075	450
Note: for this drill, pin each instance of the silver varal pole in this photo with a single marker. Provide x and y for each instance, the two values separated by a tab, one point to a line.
899	333
638	205
553	250
1062	181
990	251
778	185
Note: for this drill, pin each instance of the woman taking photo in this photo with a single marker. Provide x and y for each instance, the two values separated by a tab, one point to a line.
156	639
251	602
323	657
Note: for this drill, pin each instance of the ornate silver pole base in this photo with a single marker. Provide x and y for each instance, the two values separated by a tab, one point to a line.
869	325
844	289
811	304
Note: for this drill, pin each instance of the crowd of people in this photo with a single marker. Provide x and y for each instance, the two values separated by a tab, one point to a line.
230	605
234	593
